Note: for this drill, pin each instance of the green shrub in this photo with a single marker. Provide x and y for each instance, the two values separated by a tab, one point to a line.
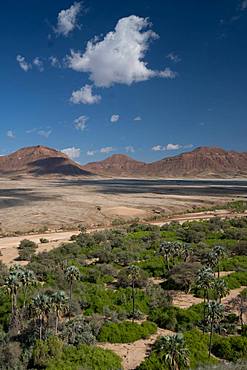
125	332
230	348
85	357
197	345
236	279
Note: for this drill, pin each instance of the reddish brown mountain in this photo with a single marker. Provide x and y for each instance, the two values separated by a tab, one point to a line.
116	165
201	162
39	160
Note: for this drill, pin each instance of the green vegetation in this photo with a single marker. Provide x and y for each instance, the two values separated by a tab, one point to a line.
116	286
126	331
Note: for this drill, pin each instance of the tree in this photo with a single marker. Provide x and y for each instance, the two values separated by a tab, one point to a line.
28	280
40	307
72	274
170	250
26	250
205	280
173	351
219	253
134	272
221	289
215	314
59	302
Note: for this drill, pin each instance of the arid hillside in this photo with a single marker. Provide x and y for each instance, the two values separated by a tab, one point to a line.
39	160
203	162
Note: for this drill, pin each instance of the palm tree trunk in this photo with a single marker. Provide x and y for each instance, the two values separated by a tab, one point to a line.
40	326
70	299
56	323
133	300
204	310
210	338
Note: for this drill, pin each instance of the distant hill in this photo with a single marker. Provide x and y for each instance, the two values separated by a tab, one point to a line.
202	162
40	160
116	165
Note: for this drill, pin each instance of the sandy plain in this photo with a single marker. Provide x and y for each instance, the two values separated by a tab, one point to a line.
44	203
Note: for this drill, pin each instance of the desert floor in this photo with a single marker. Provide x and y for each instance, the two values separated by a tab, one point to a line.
35	203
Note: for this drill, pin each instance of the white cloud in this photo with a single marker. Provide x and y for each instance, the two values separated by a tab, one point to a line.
23	63
130	149
118	58
72	152
114	118
54	62
173	146
107	149
137	118
173	57
67	20
44	133
84	96
91	152
157	148
167	73
10	134
37	62
80	123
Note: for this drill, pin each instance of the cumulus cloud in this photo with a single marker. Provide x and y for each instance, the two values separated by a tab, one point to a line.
25	66
173	57
107	149
84	96
137	118
118	58
170	146
167	73
157	148
67	20
44	133
91	152
130	149
10	134
55	62
80	123
37	62
114	118
72	152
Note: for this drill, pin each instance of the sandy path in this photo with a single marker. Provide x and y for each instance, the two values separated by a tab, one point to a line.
133	354
182	300
8	245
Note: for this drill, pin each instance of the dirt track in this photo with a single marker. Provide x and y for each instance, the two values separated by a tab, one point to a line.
8	245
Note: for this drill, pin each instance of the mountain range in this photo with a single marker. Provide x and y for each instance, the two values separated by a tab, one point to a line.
204	162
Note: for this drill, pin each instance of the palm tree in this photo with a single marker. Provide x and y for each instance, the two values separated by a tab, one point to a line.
205	280
72	274
28	280
133	273
59	302
221	289
186	251
219	252
167	250
215	314
12	285
173	351
40	307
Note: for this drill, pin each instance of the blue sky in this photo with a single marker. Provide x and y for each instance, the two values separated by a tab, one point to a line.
146	78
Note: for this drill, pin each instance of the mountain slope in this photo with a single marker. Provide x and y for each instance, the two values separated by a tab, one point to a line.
116	165
39	160
201	162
